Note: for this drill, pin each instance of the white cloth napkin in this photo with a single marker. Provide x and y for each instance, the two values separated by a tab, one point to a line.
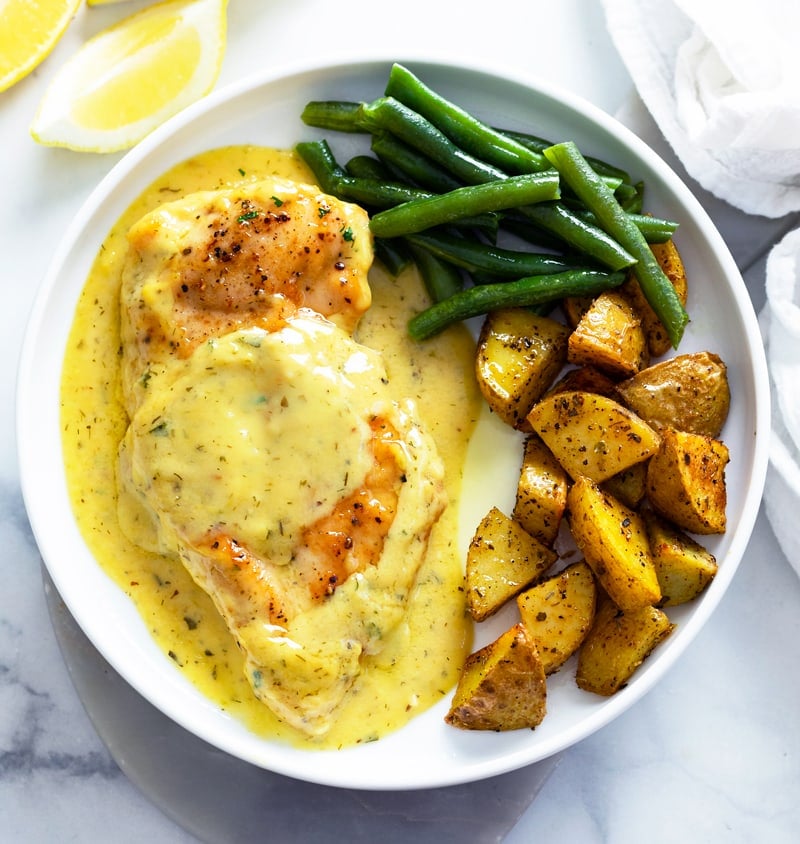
722	80
780	326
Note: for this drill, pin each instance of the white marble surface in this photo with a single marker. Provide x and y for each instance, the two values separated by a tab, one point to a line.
711	755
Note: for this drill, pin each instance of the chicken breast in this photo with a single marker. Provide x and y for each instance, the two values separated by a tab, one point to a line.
216	261
274	459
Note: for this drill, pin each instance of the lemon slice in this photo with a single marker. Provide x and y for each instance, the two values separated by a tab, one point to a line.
29	29
131	77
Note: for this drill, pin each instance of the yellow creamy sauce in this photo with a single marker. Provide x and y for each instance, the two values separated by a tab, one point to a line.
420	661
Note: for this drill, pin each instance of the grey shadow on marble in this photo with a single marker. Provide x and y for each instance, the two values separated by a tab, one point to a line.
223	800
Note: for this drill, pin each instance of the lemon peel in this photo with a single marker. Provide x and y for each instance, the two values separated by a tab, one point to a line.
133	76
29	29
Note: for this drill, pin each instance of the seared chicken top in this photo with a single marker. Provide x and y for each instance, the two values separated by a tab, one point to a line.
222	260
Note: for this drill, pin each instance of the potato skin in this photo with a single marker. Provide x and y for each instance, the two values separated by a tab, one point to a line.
686	481
541	498
688	392
592	435
502	560
558	613
683	566
588	379
610	337
519	355
628	486
617	645
613	539
502	686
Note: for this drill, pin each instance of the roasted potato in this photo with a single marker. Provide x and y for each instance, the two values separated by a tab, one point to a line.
587	379
502	686
519	355
613	539
592	435
610	337
686	481
687	392
502	560
629	485
670	261
574	307
617	644
683	566
541	492
558	613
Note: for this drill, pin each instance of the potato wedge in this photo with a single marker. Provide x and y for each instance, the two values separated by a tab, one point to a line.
585	378
574	307
541	492
617	645
502	560
519	355
558	613
592	435
502	686
610	337
687	392
686	481
683	566
629	485
670	261
613	539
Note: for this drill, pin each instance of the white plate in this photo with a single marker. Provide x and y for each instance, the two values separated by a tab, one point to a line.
265	110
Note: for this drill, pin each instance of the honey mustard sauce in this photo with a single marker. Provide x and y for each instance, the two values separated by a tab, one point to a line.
421	657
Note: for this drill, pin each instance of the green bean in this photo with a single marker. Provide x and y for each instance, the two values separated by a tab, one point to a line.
416	215
534	290
659	292
390	115
319	157
469	133
367	167
537	144
631	197
407	162
586	238
334	115
333	179
654	229
442	280
478	257
393	254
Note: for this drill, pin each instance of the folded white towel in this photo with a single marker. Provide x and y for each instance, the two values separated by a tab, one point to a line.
722	80
780	325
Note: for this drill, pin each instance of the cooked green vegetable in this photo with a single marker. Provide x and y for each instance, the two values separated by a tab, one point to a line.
425	212
524	292
442	280
406	161
462	128
659	292
580	235
390	115
477	257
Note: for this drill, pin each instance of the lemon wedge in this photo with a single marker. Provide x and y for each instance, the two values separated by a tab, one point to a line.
29	29
131	77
